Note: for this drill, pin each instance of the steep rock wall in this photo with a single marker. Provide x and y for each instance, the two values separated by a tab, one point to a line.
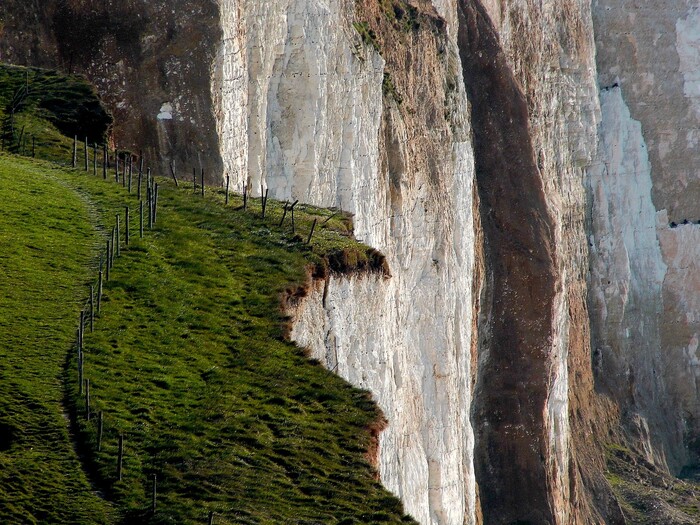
338	121
151	62
648	57
549	54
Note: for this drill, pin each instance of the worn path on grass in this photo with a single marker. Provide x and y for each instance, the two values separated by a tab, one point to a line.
47	242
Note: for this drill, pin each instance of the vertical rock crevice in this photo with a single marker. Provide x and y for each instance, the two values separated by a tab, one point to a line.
521	278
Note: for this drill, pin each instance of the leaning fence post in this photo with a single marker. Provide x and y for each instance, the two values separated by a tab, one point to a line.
284	213
120	457
311	233
172	172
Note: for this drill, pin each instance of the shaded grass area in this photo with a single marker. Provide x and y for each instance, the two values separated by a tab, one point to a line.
48	107
189	362
647	495
46	244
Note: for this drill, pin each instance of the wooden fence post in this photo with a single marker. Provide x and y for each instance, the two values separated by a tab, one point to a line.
311	233
149	199
202	182
118	237
294	228
264	202
124	171
94	159
87	160
228	183
116	165
75	150
172	172
155	203
104	161
126	225
194	178
131	165
211	517
120	457
99	292
245	196
33	146
140	219
284	213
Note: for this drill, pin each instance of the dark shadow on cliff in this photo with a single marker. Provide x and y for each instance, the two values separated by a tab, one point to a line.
515	335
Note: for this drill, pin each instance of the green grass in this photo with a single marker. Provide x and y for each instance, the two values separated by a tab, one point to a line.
189	361
46	244
646	494
48	107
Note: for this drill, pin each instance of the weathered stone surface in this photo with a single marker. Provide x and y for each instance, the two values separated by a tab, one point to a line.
648	61
491	210
151	61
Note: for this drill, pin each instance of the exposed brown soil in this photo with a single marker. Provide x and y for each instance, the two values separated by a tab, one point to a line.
515	331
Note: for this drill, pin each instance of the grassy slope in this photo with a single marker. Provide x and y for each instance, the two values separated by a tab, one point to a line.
189	362
48	107
649	496
43	267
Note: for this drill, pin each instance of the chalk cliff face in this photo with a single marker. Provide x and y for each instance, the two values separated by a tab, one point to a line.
538	212
645	278
382	133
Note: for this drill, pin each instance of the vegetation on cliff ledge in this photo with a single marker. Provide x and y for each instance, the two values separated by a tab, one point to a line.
188	360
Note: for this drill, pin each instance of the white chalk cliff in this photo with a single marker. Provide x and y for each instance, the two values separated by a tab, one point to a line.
316	102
